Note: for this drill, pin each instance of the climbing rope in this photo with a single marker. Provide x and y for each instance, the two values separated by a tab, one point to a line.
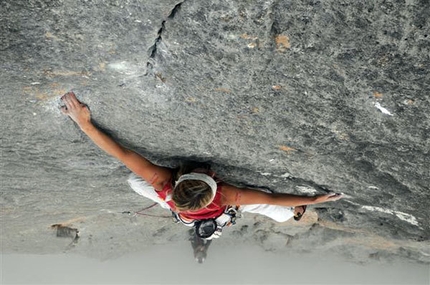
140	212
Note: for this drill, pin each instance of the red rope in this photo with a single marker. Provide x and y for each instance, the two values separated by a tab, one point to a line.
149	207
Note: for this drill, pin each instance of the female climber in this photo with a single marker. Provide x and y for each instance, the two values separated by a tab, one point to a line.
192	195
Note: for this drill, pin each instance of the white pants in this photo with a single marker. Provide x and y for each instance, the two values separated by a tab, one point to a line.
277	213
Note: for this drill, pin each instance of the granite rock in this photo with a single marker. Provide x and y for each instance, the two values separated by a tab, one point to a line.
297	96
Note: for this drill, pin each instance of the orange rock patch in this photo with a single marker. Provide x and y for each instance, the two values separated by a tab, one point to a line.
377	95
282	42
287	149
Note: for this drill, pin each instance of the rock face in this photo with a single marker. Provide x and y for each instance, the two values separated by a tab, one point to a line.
297	96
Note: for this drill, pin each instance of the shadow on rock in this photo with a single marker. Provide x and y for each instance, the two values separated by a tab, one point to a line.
67	232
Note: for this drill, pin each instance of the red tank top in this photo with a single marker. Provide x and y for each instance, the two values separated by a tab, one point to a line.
213	210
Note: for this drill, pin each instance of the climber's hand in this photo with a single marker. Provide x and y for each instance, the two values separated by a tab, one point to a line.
76	110
329	197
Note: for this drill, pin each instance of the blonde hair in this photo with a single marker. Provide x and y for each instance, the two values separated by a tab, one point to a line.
191	195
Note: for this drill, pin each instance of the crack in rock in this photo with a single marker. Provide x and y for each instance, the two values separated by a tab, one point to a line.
153	49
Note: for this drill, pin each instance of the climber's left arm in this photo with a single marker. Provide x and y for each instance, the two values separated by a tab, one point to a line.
242	196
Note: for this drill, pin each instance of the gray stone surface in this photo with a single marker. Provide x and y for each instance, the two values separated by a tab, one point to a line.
298	96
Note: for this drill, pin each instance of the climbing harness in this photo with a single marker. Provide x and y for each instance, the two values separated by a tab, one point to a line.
209	229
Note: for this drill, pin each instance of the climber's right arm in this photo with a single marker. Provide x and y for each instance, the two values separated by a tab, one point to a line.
156	175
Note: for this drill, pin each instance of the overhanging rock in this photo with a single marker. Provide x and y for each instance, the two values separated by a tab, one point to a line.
298	96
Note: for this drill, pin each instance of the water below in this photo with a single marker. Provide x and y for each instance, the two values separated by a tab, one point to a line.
175	264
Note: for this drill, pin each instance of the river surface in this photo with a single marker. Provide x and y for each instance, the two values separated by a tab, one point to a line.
174	264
